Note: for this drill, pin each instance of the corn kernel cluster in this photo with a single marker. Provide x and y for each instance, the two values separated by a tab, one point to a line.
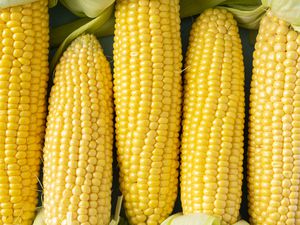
23	85
274	139
79	137
147	87
213	121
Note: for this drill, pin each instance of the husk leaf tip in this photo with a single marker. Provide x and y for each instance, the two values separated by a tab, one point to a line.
288	10
98	22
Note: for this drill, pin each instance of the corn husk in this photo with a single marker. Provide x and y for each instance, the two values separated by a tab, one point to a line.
247	12
39	219
97	22
59	34
87	8
10	3
242	222
196	219
192	219
116	219
247	16
195	7
52	3
288	10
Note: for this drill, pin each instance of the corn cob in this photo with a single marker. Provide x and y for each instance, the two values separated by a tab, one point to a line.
274	140
23	85
147	87
213	121
79	136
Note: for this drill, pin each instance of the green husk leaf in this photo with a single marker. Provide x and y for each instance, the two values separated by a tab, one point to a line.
247	16
196	219
39	219
59	34
288	10
89	8
194	7
52	3
248	13
244	2
192	219
242	222
116	219
97	22
9	3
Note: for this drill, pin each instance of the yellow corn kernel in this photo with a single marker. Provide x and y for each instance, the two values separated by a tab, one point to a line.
22	117
79	138
147	91
213	118
273	152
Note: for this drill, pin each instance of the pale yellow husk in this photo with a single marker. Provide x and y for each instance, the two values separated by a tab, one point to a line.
196	219
288	10
40	218
10	3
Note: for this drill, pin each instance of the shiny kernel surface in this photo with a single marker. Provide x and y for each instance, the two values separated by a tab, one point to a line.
147	91
23	82
273	152
78	140
213	118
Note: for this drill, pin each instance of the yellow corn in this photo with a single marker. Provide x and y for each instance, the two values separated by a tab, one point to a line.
78	141
23	85
213	122
274	139
147	87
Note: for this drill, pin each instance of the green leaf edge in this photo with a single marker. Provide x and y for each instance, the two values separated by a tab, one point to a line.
247	15
98	21
116	218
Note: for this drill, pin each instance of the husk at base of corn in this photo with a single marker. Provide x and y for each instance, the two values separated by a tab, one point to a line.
39	219
196	219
